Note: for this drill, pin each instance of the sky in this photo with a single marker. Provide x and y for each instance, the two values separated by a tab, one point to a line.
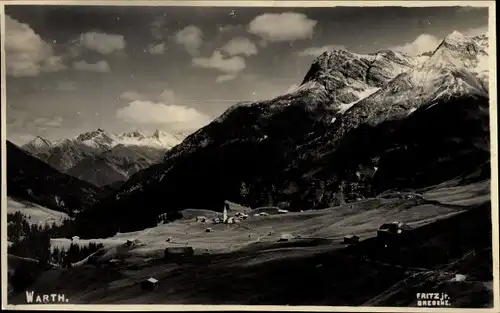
73	69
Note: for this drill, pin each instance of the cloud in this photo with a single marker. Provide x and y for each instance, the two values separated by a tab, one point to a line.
230	67
158	48
132	95
225	78
317	51
102	43
240	46
423	43
175	117
44	122
100	66
27	54
191	37
218	62
286	26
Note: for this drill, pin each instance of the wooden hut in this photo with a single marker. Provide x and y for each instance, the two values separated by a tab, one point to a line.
351	239
149	284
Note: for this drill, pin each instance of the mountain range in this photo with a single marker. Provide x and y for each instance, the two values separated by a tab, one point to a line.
101	158
358	125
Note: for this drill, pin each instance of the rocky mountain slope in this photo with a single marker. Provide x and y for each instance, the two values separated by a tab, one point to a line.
101	158
358	125
33	180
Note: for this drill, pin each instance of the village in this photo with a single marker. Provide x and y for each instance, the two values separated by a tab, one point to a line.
387	236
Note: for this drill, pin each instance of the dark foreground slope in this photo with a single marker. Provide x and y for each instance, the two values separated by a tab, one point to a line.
340	277
33	180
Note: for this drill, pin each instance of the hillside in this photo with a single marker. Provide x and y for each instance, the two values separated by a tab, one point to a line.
358	125
447	238
32	180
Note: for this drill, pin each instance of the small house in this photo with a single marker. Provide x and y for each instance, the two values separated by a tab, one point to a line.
75	238
201	219
285	237
208	230
149	284
351	239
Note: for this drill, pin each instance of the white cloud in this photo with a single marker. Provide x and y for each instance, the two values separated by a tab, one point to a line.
317	51
175	117
102	43
44	122
423	43
217	61
286	26
132	95
240	46
100	66
191	37
158	48
225	78
27	54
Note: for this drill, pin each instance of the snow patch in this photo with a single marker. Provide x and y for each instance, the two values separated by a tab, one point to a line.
361	95
36	214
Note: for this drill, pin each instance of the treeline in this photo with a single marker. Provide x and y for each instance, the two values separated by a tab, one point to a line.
33	241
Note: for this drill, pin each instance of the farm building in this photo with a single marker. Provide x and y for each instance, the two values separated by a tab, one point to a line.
351	239
149	284
201	219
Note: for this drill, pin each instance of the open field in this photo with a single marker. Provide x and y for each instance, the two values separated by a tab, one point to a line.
315	269
35	213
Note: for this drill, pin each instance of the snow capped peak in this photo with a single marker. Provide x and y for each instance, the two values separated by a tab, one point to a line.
38	144
456	38
159	134
92	135
157	139
133	134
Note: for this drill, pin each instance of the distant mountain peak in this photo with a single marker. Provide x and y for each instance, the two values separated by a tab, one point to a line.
92	134
38	144
158	134
134	134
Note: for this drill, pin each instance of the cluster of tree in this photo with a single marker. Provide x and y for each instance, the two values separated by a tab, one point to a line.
33	241
74	254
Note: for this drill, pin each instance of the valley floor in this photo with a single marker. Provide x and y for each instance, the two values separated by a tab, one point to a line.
245	264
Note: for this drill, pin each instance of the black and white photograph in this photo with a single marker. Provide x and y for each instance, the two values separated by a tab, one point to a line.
231	154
